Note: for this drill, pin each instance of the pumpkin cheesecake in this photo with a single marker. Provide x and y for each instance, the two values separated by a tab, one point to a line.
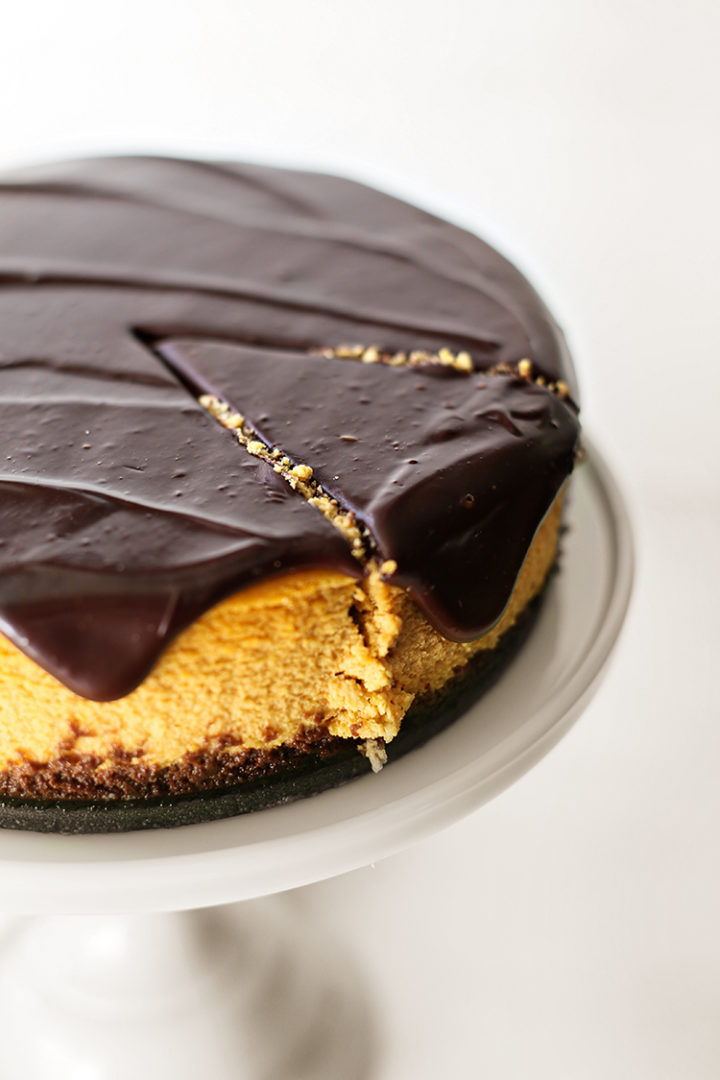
282	460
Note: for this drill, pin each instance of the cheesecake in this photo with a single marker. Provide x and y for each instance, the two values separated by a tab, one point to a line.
282	466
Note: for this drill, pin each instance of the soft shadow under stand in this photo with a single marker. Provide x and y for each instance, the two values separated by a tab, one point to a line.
137	960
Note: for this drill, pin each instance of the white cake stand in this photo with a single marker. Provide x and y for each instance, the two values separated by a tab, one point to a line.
109	985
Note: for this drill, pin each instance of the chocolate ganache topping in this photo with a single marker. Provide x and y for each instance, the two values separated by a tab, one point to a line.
364	342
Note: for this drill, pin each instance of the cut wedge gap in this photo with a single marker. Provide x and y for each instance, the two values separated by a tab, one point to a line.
298	476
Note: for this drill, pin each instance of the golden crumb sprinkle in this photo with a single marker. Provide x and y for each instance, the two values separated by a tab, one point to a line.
375	354
388	567
374	750
524	370
213	405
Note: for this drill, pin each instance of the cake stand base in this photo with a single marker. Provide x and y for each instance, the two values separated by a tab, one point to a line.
243	992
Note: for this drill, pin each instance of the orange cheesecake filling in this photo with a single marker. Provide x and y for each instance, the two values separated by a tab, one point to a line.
260	668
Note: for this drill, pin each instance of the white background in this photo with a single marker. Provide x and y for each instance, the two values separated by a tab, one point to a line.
570	929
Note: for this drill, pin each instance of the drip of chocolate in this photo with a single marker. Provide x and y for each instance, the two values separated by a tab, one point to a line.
126	511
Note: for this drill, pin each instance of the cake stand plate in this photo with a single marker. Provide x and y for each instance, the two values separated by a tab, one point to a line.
184	981
531	706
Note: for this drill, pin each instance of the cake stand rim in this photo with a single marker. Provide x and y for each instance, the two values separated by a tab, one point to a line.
99	874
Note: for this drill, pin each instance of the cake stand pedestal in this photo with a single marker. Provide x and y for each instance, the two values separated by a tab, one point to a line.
141	964
239	992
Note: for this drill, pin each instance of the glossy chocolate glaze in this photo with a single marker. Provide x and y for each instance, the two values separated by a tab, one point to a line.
126	511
